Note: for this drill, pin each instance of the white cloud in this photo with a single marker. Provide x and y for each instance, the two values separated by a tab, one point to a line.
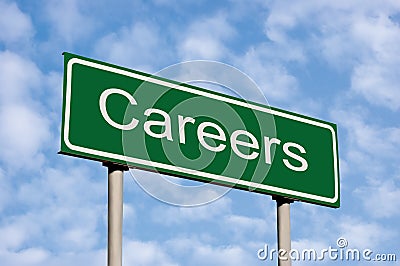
170	191
197	46
67	20
27	125
321	221
12	236
376	77
285	16
61	186
378	83
25	257
271	76
176	215
241	226
206	38
128	212
65	210
41	256
200	253
92	257
367	137
53	89
19	78
370	152
138	46
5	190
146	253
379	197
230	255
361	37
364	234
15	26
22	136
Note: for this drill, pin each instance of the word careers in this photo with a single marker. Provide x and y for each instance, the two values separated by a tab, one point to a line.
205	136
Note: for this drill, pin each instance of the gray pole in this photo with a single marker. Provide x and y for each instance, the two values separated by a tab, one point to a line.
115	201
283	224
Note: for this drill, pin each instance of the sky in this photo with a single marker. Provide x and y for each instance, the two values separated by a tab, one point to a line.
334	60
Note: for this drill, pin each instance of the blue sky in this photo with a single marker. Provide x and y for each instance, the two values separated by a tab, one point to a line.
334	60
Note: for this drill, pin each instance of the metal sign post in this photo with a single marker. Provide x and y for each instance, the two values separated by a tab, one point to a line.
108	116
283	226
115	211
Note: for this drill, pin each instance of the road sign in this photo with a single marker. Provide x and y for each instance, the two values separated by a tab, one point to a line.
114	114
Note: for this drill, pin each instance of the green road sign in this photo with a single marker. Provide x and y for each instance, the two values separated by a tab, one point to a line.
118	115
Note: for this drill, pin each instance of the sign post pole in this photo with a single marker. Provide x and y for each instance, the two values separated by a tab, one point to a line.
115	206
283	226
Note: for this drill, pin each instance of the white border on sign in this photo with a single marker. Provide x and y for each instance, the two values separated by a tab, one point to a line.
182	170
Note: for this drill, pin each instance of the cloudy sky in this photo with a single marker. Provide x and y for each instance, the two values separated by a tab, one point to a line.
334	60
